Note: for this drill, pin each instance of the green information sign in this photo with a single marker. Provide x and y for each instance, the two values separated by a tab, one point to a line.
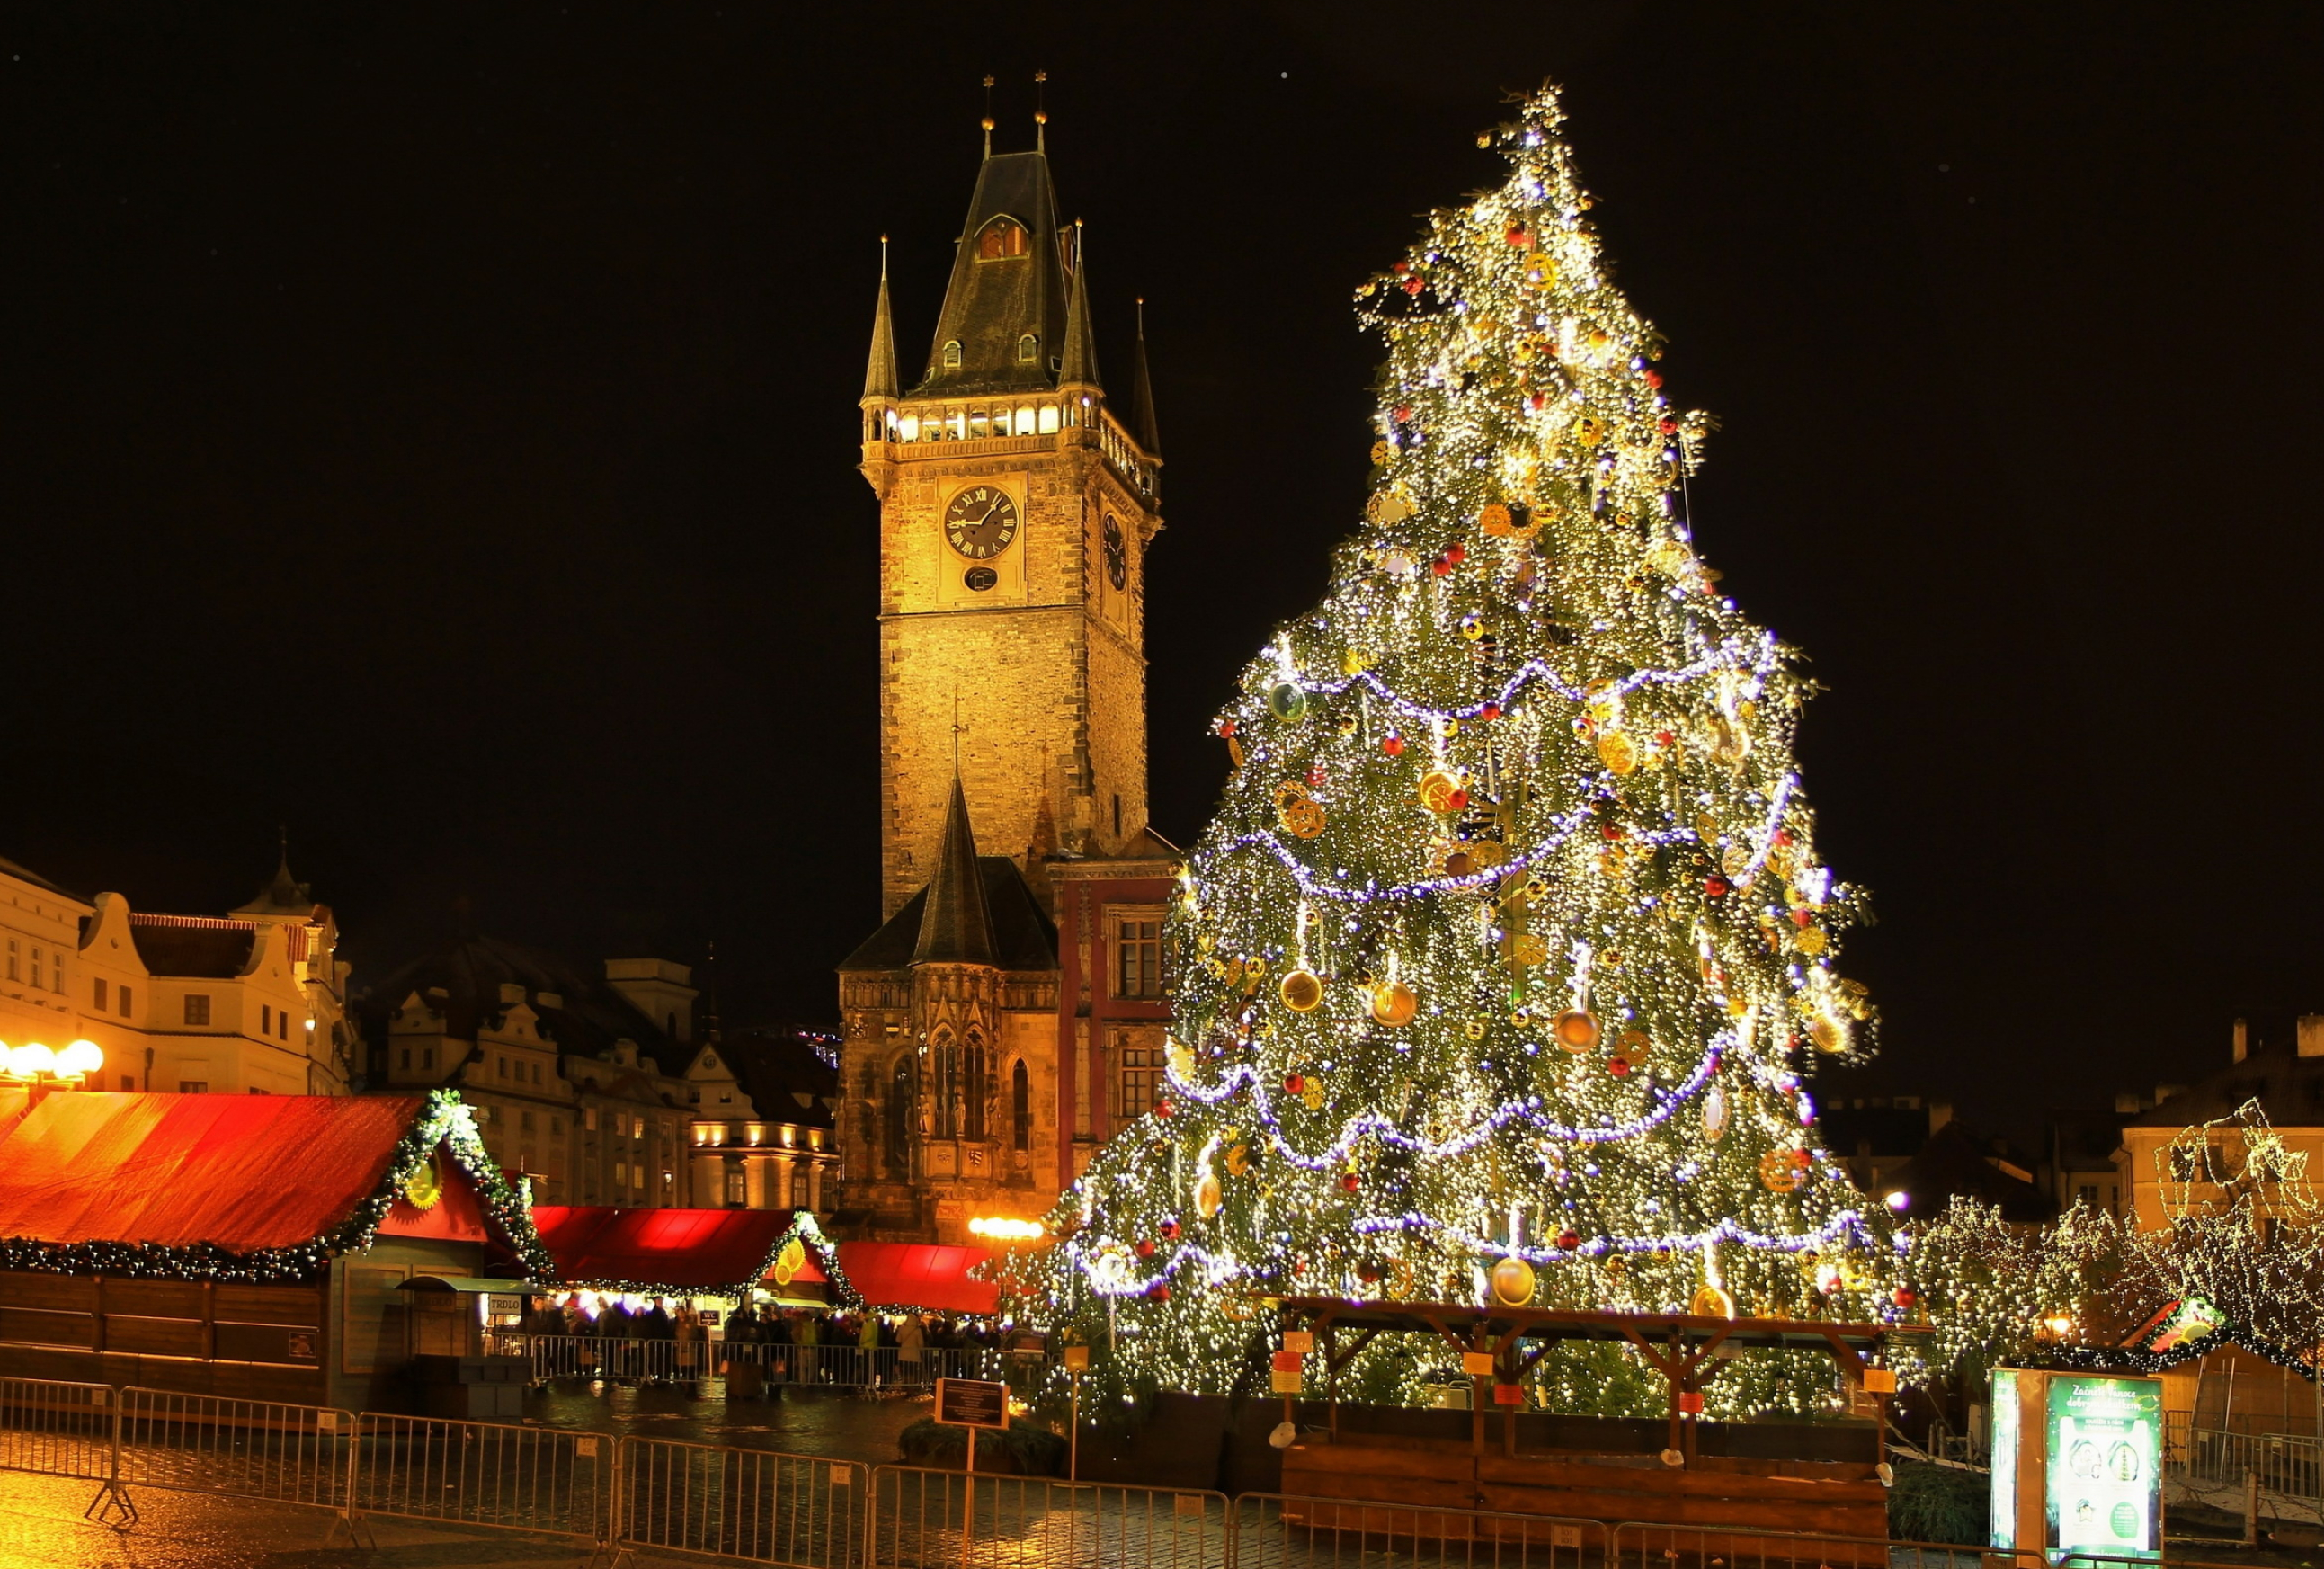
2104	1452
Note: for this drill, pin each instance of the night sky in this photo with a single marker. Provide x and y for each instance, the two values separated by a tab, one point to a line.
432	428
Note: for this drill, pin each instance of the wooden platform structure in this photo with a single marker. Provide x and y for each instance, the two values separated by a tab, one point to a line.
1681	1488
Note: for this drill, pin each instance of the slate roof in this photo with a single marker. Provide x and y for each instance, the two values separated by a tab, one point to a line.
211	951
588	1018
25	874
2289	1087
989	305
1022	934
956	919
786	1080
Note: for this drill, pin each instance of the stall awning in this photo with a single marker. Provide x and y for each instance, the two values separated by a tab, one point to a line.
677	1252
928	1275
205	1185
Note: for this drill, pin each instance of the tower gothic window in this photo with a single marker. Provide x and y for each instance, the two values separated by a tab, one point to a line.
1020	1107
1028	350
972	1088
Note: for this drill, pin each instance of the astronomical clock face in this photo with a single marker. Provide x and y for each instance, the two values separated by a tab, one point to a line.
1117	554
981	522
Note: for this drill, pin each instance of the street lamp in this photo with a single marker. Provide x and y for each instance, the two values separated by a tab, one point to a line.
33	1062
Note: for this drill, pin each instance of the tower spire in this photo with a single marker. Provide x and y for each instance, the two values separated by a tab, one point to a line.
956	923
1141	393
1079	362
879	378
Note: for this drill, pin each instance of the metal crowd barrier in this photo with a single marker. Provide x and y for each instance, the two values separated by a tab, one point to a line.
2287	1466
253	1449
53	1428
923	1519
541	1481
1277	1532
620	1360
754	1504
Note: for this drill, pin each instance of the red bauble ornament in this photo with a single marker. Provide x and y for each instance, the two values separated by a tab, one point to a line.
1715	887
1539	400
1489	711
1226	727
1904	1298
1169	1230
1350	1181
1159	1292
1293	1083
1145	1247
1782	837
1316	776
1569	1240
1654	378
1441	566
1610	832
1663	738
1403	413
1401	268
1412	286
1162	1108
1458	801
1456	554
1517	236
1800	917
1620	1066
1392	746
1668	427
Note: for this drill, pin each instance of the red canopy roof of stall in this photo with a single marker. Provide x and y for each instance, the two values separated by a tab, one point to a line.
918	1275
678	1251
240	1173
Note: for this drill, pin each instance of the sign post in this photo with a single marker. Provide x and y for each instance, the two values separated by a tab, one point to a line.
970	1403
1076	1364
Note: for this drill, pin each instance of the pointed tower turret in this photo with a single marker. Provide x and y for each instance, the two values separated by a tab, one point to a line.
1141	393
956	925
1080	358
879	378
284	895
1004	320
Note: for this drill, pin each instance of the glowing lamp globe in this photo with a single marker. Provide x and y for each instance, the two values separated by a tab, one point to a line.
1898	1201
31	1059
80	1059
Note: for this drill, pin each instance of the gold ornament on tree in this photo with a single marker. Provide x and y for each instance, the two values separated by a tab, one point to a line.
1513	1283
1576	1030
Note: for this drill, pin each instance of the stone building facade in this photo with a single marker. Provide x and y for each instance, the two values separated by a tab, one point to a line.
987	1052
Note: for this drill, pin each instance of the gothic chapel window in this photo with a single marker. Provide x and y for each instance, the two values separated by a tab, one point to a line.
901	1090
1000	239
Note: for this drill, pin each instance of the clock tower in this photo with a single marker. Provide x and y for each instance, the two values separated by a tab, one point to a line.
1016	504
1008	1016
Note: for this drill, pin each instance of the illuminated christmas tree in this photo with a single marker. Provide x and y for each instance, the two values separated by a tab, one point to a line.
1495	973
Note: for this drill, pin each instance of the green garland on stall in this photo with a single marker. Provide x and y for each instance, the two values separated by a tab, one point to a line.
443	1120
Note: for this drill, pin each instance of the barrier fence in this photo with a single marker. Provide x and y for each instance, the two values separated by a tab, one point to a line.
812	1513
923	1519
1277	1532
624	1360
541	1481
758	1505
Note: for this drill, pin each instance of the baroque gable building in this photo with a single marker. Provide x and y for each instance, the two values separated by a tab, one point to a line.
1009	1014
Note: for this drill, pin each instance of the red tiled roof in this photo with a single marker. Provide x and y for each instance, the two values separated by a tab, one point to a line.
678	1249
918	1275
239	1172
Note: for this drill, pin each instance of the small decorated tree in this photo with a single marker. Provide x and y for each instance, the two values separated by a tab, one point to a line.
1496	972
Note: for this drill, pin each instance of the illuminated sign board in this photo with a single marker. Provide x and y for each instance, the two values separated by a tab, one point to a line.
2104	1449
2004	1457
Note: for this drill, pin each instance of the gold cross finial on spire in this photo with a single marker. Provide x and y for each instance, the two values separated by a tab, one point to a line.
988	116
1040	112
883	260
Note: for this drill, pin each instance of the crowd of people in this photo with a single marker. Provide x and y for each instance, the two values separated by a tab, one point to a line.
785	1345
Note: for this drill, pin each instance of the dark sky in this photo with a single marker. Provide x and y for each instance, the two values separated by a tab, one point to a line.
432	427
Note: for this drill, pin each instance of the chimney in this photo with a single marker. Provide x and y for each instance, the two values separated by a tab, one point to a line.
2164	1091
2242	1040
2127	1102
2311	1035
1940	1113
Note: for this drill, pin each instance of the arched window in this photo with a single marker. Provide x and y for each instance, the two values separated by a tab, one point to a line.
1028	349
971	1088
944	1063
1020	1107
903	1090
952	354
1000	239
